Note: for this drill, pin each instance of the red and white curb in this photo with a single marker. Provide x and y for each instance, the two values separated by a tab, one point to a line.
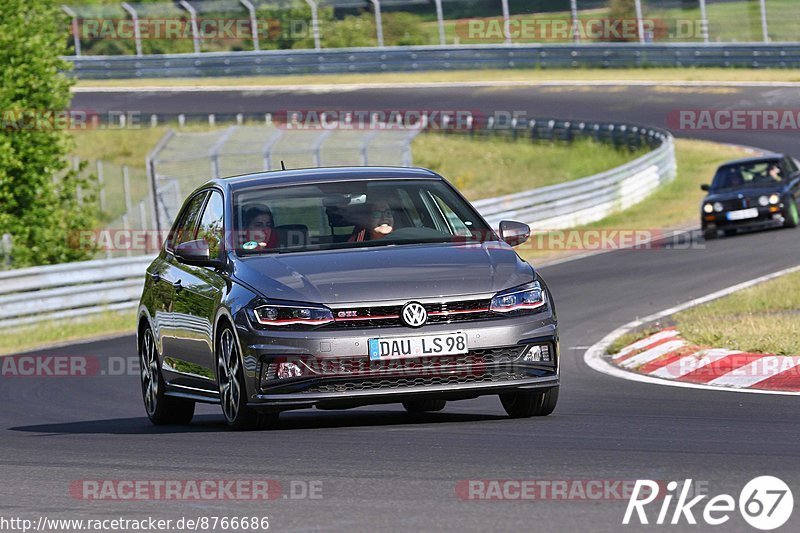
666	355
667	359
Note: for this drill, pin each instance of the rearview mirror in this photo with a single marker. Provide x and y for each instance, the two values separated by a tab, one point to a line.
196	253
705	187
514	233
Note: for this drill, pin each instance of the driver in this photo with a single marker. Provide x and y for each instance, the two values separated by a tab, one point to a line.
260	227
774	172
378	224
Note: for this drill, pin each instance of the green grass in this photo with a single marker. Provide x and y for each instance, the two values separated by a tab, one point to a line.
26	338
514	75
674	204
490	167
761	319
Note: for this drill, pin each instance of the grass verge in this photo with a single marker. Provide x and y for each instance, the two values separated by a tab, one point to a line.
761	319
26	338
497	166
515	75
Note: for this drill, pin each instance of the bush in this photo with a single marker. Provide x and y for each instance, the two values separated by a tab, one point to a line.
38	191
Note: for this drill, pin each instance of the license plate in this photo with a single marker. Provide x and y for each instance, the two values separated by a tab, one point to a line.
421	346
743	214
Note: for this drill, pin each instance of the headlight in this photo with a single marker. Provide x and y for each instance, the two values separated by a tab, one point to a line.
527	297
774	199
288	315
708	208
717	207
763	201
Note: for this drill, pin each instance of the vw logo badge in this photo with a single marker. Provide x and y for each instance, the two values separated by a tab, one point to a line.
414	314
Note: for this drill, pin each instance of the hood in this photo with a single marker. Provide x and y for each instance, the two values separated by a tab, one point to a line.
404	272
744	192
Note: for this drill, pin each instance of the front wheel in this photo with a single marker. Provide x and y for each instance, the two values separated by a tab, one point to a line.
161	409
792	218
527	404
232	390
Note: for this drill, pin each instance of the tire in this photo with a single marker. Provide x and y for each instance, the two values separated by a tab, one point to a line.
232	389
424	406
709	234
162	410
792	218
527	404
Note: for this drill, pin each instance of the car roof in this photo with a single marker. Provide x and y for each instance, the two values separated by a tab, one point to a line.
323	174
755	159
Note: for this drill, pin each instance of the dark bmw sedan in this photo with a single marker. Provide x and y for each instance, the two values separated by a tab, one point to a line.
757	192
336	288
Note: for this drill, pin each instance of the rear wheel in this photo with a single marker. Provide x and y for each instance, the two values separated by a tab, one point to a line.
527	404
792	218
232	390
424	406
161	409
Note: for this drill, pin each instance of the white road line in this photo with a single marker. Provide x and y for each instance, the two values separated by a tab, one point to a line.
690	363
595	356
652	354
345	87
643	343
756	371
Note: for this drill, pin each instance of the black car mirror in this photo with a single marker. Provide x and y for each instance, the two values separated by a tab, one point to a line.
705	187
196	253
514	233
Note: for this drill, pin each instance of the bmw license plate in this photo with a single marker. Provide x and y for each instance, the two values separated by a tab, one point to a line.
421	346
743	214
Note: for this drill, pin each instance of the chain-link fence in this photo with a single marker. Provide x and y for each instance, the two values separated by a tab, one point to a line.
198	26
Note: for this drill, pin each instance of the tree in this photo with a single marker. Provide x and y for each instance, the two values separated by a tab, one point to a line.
39	207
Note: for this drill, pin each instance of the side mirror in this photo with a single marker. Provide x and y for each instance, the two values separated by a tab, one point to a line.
514	233
705	187
196	253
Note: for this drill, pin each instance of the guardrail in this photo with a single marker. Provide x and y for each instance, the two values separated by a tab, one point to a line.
419	58
76	289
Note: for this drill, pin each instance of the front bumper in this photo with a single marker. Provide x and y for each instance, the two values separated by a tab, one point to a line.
337	372
765	219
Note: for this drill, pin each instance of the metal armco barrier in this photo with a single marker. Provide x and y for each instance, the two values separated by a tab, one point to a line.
419	58
76	289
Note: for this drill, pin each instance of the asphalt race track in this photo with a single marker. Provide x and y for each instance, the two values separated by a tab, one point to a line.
384	469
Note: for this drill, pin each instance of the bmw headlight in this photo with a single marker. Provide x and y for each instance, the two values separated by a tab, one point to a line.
718	207
527	297
289	315
774	199
708	208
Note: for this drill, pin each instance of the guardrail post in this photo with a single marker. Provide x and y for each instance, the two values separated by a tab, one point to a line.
137	34
576	32
440	20
704	21
379	21
764	21
506	22
76	31
314	23
639	20
193	18
253	22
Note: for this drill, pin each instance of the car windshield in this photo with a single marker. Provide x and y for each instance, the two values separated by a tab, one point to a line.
748	174
352	214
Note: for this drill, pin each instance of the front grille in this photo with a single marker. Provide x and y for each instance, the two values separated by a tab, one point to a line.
389	316
389	383
473	360
739	203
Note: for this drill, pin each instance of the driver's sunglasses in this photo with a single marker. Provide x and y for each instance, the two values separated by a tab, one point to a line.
383	214
259	224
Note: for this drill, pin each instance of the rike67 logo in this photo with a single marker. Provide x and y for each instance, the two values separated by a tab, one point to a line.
765	503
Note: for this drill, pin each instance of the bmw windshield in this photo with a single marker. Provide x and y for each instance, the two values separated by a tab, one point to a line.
354	214
753	174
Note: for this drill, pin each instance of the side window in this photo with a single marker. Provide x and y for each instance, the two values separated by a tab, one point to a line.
210	227
790	165
457	226
185	228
